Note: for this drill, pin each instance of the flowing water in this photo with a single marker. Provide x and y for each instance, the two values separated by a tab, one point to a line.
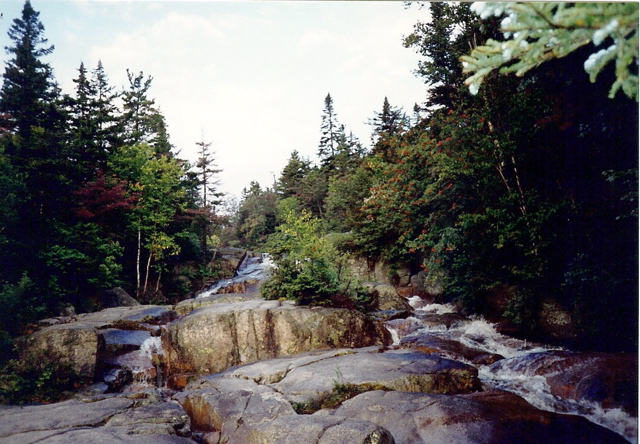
146	363
517	372
252	269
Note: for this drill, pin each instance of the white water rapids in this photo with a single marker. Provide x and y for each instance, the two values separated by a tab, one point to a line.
512	374
251	268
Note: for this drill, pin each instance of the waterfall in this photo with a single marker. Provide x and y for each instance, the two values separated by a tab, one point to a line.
252	268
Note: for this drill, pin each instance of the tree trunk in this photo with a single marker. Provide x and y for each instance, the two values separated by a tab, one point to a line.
146	277
158	282
138	263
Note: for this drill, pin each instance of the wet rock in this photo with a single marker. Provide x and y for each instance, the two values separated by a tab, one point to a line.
122	341
387	297
446	320
188	305
610	379
231	406
487	359
486	417
404	327
314	375
448	348
90	336
390	315
117	378
214	338
319	429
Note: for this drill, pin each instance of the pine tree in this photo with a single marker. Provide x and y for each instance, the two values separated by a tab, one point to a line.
452	30
390	120
330	130
108	128
29	88
138	109
29	99
82	128
293	173
207	170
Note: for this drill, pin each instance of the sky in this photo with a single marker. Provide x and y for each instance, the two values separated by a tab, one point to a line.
249	77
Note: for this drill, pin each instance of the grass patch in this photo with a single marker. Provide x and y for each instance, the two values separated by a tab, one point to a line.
341	391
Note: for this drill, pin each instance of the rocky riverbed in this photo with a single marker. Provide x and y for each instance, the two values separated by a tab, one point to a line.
233	368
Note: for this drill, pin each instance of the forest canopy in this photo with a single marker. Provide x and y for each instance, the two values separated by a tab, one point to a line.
524	185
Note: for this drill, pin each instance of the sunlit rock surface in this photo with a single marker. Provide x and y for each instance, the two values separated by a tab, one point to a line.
214	338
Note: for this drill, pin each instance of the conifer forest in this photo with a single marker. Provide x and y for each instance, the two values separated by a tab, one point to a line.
516	173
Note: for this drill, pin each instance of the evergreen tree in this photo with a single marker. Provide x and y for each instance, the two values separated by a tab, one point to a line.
293	173
29	88
108	127
211	197
138	110
452	30
536	33
387	123
81	127
40	160
330	130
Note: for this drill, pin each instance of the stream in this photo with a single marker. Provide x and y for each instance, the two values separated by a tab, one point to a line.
503	362
520	370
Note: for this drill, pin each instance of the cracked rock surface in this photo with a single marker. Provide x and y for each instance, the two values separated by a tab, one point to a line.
140	418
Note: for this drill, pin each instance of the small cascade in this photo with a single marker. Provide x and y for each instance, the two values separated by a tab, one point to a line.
150	369
517	372
251	271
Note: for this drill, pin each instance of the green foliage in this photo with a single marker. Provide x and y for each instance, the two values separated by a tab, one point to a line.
308	268
37	378
345	197
22	303
538	32
256	216
341	392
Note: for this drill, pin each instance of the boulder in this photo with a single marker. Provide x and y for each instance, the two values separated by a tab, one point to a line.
82	339
232	407
76	343
232	257
427	285
387	297
319	430
492	417
118	297
311	376
214	338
